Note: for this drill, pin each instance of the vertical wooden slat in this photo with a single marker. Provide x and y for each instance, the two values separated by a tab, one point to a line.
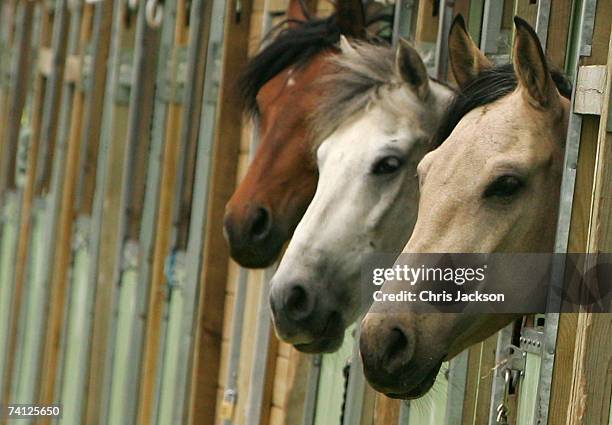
427	23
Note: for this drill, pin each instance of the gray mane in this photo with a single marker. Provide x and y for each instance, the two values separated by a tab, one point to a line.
359	80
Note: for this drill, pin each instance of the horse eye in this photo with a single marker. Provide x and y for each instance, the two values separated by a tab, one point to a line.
503	187
386	165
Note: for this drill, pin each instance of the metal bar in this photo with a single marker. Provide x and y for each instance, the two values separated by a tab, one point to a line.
397	11
403	20
312	389
77	333
404	413
504	339
192	102
262	351
568	183
587	19
491	26
26	367
457	379
174	347
9	222
356	385
231	390
119	385
542	21
441	55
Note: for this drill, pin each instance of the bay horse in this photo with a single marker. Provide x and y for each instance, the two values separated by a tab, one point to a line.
279	93
378	111
492	186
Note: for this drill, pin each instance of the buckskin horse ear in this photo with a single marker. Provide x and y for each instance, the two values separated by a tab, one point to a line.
466	59
350	17
297	12
410	68
531	68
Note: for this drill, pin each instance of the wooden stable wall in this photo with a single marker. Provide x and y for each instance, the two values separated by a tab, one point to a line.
118	152
105	186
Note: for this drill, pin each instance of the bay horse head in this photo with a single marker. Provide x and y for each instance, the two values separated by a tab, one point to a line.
492	186
375	119
279	92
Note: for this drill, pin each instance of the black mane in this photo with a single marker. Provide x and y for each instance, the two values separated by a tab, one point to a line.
295	45
292	46
489	86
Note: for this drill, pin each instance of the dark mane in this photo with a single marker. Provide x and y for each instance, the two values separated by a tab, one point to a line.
291	46
489	86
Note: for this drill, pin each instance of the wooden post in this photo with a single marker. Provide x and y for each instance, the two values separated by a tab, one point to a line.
589	401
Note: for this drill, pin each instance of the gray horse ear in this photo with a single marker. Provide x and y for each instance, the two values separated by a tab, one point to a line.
466	59
531	68
410	68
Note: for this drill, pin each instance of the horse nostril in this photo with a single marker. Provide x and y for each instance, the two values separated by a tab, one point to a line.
397	348
261	224
297	304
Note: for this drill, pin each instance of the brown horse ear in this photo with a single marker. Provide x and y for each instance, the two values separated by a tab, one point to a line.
531	68
410	68
350	17
466	59
296	12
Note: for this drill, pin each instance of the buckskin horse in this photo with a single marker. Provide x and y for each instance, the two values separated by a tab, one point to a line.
492	186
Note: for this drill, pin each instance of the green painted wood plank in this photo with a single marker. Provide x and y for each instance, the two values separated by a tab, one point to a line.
26	366
528	390
8	242
76	356
332	383
172	350
126	316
